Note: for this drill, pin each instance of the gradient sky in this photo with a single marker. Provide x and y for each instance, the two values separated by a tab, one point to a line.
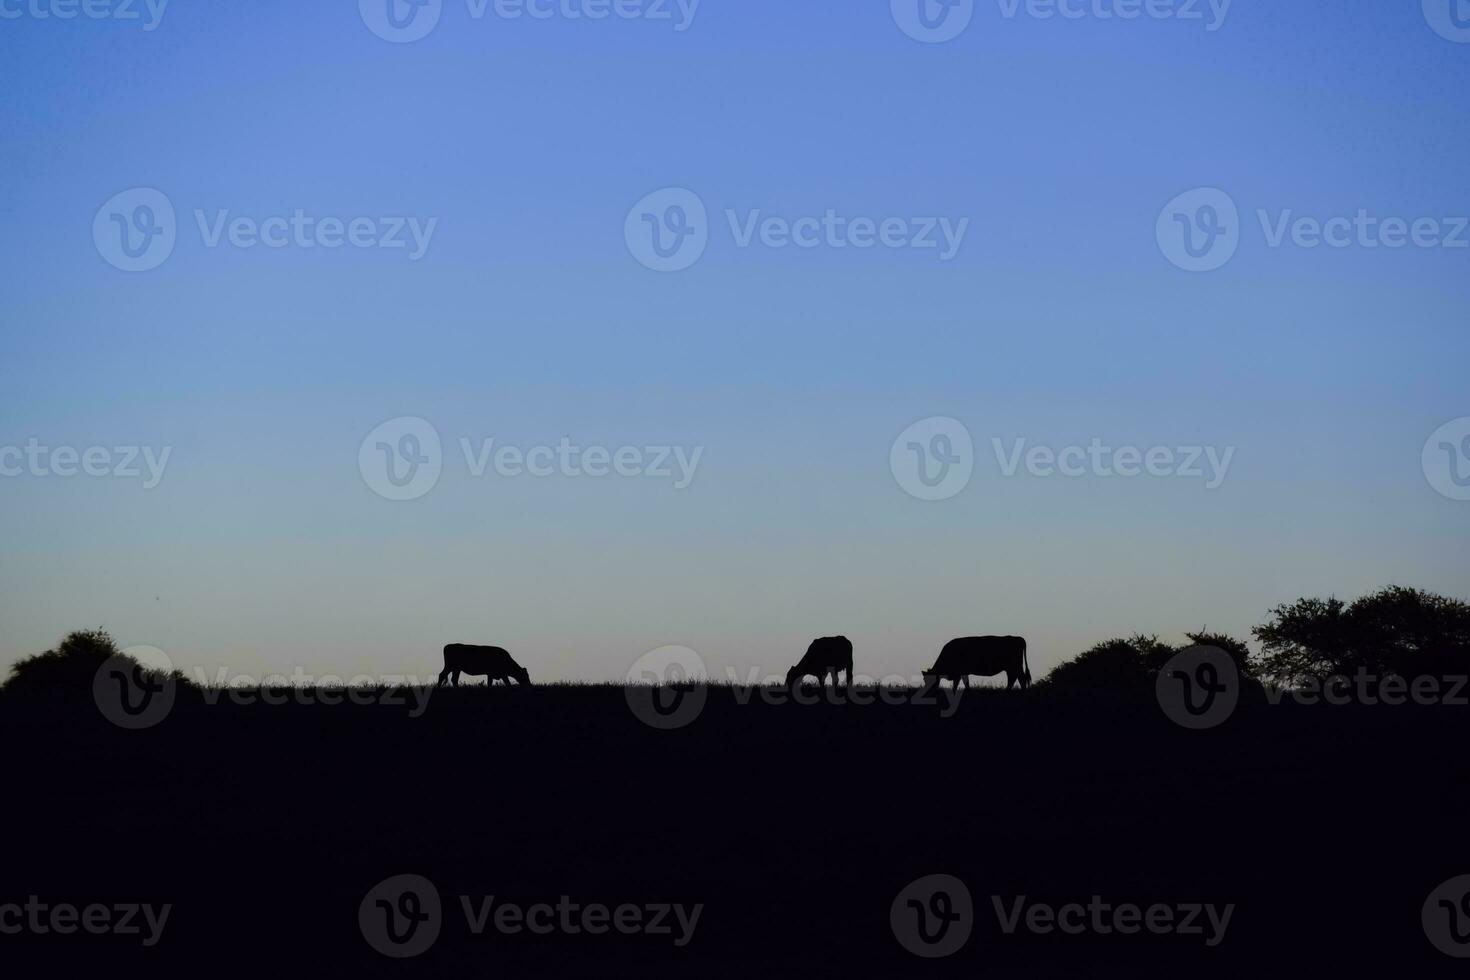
1059	321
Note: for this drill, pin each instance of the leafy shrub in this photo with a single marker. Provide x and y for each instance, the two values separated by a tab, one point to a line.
1114	663
71	666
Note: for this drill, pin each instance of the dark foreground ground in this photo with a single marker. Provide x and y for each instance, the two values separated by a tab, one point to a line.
795	826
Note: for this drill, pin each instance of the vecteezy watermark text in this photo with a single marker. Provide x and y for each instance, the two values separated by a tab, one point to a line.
406	21
1102	918
574	918
934	459
862	690
329	690
1207	463
933	916
1211	13
403	458
1369	688
573	461
402	916
40	918
1200	230
668	231
118	10
936	21
118	462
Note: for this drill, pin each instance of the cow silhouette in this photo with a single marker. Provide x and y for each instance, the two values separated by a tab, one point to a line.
495	663
985	656
826	655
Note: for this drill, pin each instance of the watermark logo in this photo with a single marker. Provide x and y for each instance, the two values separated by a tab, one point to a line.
933	459
1449	18
932	21
401	916
1199	230
668	230
401	21
1446	917
136	230
666	688
401	459
135	689
1446	459
1198	687
933	916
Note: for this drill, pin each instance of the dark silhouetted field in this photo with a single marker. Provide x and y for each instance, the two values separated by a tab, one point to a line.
795	826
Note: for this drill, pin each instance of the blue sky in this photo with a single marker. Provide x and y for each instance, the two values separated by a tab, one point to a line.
528	319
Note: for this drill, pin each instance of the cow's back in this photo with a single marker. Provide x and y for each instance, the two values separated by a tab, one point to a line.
828	651
468	657
979	654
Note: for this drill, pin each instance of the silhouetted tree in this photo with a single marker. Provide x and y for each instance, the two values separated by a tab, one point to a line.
1395	631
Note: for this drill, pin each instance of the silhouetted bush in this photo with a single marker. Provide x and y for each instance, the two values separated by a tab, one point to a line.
1395	631
1135	662
1245	662
1114	663
71	666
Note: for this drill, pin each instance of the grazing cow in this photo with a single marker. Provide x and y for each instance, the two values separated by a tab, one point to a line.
826	655
494	662
983	655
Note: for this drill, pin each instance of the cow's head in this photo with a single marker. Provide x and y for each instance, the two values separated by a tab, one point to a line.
793	675
523	675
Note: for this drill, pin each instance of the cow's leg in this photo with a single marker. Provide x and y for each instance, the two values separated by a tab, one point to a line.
443	675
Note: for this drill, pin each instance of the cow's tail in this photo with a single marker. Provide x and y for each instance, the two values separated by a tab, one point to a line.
1025	663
